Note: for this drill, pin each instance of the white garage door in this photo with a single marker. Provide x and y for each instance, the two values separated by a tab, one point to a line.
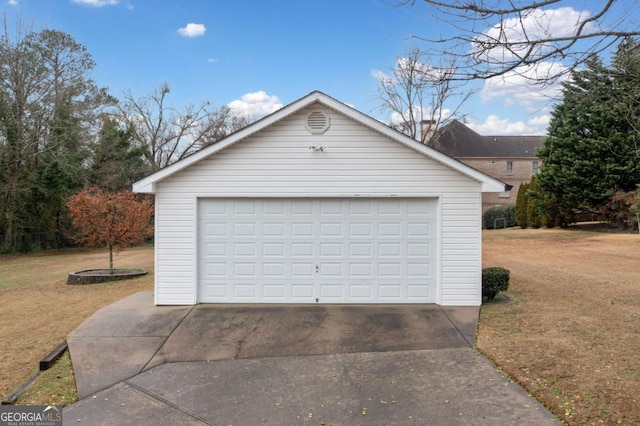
317	250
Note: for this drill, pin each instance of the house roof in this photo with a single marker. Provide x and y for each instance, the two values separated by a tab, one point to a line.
459	141
488	184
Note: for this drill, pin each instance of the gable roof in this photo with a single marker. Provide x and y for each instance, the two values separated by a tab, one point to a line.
459	141
488	184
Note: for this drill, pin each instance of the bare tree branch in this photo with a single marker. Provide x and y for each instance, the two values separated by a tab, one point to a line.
494	38
168	135
416	91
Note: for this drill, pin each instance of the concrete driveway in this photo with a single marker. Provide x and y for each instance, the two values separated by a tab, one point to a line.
287	365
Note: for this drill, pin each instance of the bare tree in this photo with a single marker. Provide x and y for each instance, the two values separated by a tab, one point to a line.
539	40
417	92
166	134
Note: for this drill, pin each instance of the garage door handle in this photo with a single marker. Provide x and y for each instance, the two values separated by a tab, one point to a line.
317	269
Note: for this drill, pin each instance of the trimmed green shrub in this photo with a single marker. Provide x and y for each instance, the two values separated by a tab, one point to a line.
494	280
499	217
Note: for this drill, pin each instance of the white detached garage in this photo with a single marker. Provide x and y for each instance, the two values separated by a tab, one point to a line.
318	203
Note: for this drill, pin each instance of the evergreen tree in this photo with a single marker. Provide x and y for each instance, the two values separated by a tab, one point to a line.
534	210
115	163
522	202
592	147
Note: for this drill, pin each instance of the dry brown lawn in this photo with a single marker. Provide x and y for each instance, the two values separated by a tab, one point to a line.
571	333
38	309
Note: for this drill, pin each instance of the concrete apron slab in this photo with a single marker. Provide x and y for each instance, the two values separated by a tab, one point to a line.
219	332
435	387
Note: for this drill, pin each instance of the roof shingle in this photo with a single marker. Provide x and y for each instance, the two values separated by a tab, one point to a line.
459	141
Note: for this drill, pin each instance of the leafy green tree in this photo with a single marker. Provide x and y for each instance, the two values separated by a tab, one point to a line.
592	148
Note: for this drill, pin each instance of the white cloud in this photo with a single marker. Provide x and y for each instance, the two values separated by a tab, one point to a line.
192	30
536	24
519	87
494	125
13	2
255	105
97	3
213	60
540	121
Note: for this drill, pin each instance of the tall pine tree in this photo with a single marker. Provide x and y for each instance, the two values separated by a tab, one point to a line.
592	147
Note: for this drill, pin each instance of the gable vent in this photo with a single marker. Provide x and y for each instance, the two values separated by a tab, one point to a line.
317	122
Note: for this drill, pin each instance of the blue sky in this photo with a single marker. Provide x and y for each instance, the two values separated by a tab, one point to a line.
258	55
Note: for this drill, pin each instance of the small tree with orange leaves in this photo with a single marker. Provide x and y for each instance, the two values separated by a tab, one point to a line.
118	219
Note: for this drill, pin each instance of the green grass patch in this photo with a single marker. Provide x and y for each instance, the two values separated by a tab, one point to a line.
55	386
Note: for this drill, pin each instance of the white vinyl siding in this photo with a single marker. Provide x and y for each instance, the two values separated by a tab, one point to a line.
355	162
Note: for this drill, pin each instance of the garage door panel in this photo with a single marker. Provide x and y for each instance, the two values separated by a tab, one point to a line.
216	269
418	230
389	269
332	250
216	229
389	250
360	292
302	270
360	270
272	250
331	230
245	269
215	249
307	251
244	249
302	292
244	229
328	269
247	291
276	292
390	291
273	229
360	230
418	270
389	230
332	292
419	291
302	249
420	250
274	270
302	230
215	290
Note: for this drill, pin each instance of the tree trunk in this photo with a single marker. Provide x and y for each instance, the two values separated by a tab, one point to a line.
110	258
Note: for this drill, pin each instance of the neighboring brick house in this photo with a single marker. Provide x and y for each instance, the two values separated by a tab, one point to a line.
510	159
